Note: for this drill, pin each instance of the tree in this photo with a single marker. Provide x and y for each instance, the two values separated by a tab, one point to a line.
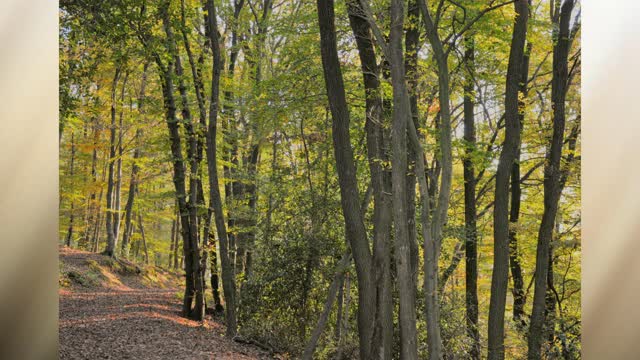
552	174
354	227
499	277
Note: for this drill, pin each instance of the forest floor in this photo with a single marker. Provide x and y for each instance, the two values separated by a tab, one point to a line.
117	310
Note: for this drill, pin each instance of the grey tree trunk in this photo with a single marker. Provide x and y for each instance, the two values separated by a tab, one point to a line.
514	212
133	187
499	277
111	240
377	142
133	182
552	176
228	277
69	237
118	181
144	239
354	226
401	118
331	297
92	197
432	253
470	211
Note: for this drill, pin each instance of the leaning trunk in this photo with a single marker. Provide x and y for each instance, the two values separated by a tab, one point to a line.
354	226
499	277
552	178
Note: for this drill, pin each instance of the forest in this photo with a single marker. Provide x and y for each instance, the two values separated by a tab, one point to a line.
386	179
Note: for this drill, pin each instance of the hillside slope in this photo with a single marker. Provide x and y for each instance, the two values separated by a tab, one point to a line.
117	310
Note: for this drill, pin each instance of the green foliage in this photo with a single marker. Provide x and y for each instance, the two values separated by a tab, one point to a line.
293	223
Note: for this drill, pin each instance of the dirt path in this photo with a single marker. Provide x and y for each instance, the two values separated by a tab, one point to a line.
136	323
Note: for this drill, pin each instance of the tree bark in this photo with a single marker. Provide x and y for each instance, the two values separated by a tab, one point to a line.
133	182
179	170
69	237
228	277
144	239
432	252
354	226
380	182
118	182
331	297
110	250
514	212
401	119
552	176
470	211
499	277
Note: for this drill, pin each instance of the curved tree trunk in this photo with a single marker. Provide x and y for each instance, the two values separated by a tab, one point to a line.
354	226
499	277
552	177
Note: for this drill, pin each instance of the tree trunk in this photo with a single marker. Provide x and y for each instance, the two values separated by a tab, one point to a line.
179	169
144	239
176	257
69	237
133	183
215	281
432	253
401	119
514	213
172	243
470	211
111	240
118	181
380	183
552	177
94	177
192	203
228	277
331	297
354	227
500	274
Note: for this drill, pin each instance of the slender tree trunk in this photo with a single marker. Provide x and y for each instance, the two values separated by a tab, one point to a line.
499	277
179	169
109	211
412	37
94	177
324	317
354	226
228	277
176	254
552	177
470	211
514	213
192	203
172	243
380	183
69	237
402	241
118	181
432	253
215	277
144	239
133	182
